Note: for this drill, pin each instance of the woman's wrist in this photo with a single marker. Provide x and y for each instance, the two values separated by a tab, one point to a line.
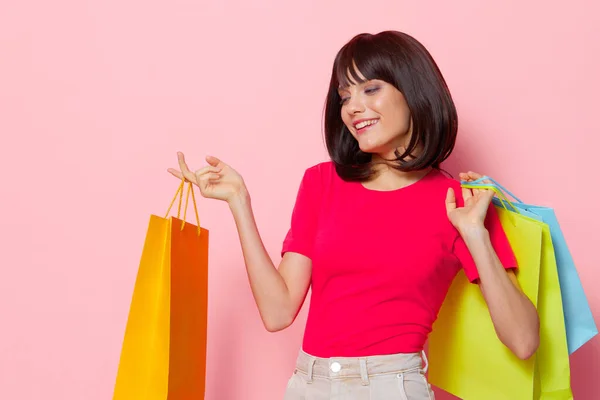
239	200
474	234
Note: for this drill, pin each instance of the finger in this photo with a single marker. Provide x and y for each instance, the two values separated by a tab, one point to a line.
482	191
214	161
206	170
474	175
213	176
467	195
450	200
209	177
484	199
176	173
488	194
181	161
184	168
463	176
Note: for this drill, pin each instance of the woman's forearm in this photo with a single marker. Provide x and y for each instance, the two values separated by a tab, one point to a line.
514	316
268	286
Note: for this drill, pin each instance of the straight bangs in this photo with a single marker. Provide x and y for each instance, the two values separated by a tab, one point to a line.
361	56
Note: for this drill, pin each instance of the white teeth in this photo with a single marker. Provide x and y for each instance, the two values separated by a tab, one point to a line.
365	123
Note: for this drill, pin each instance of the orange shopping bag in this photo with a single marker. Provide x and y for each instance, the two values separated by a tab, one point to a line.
164	350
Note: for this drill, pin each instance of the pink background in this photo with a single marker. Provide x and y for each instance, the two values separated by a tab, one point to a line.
97	96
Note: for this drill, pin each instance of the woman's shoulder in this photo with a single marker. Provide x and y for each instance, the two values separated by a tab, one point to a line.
320	171
444	178
321	175
321	167
444	181
438	183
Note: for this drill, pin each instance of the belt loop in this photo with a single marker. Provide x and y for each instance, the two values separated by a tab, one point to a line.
424	356
364	374
311	363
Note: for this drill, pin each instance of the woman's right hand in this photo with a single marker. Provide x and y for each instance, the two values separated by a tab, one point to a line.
216	181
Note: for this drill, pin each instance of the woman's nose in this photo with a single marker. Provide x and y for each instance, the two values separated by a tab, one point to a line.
355	105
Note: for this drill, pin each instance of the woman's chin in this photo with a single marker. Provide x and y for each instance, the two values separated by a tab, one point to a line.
367	147
378	151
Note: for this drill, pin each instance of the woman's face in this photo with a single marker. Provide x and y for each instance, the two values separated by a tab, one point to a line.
378	117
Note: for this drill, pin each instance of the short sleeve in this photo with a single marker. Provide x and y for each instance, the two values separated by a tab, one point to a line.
300	237
499	241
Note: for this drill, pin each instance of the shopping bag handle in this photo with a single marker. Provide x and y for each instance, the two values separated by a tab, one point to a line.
481	181
180	194
498	189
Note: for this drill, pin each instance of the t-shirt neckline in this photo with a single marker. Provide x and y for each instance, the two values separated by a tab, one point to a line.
410	186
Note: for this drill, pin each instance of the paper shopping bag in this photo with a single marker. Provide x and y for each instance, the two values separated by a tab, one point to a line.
163	354
579	320
578	317
467	358
553	372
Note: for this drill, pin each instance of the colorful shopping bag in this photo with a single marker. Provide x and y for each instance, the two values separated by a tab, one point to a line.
579	320
164	350
467	358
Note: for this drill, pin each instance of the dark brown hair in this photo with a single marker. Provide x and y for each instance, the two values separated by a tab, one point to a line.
400	60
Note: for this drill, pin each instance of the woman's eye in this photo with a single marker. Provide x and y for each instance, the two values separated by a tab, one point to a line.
343	100
372	90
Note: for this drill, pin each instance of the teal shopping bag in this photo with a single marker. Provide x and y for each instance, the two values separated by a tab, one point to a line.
579	321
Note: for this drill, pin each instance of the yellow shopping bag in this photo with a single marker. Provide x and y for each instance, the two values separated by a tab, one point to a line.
164	349
467	358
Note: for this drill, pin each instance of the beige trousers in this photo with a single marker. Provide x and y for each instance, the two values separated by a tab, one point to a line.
389	377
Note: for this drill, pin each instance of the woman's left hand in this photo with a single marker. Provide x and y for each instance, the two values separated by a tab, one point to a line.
476	203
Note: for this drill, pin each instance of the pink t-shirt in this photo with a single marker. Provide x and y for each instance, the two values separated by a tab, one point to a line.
382	261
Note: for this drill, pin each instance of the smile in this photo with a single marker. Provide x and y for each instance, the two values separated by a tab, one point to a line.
363	125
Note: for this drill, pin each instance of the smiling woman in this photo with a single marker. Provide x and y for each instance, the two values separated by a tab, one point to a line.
390	122
392	80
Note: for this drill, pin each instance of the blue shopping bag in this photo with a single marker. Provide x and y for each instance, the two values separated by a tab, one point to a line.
579	321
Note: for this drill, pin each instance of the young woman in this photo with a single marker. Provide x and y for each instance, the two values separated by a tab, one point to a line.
378	233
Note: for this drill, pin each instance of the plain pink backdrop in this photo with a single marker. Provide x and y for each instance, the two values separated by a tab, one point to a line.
97	96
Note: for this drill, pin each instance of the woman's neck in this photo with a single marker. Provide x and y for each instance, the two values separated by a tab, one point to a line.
388	178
